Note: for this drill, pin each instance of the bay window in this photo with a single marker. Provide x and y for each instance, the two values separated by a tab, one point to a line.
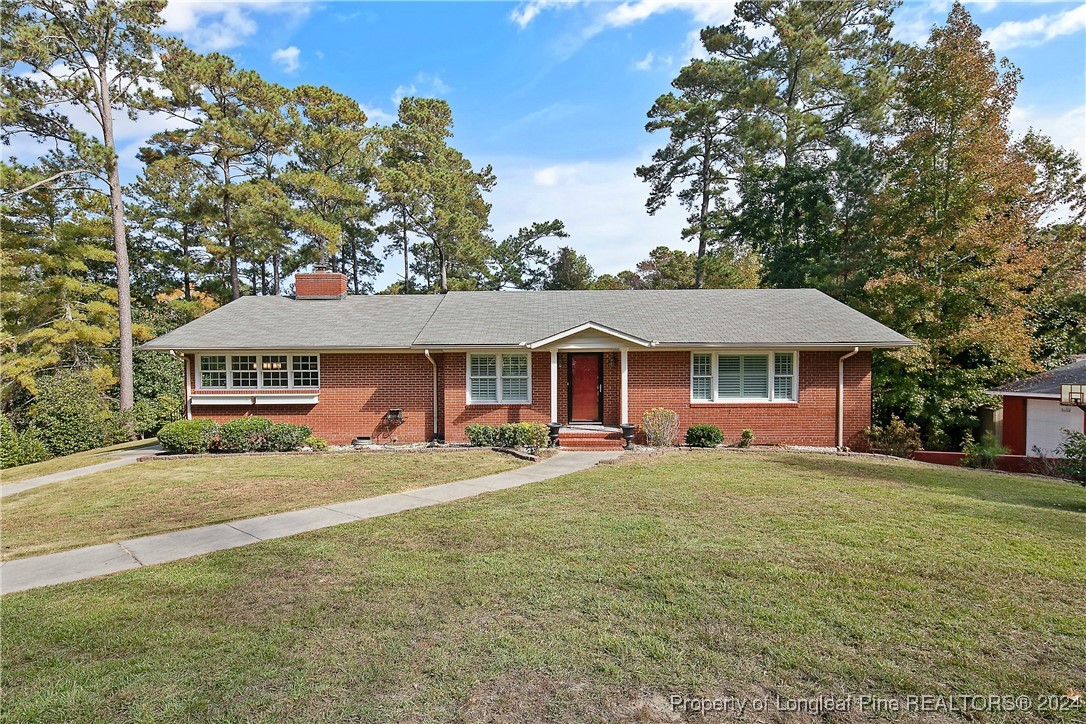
499	378
257	371
743	377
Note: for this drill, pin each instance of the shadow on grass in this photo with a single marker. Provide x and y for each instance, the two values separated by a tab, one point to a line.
977	484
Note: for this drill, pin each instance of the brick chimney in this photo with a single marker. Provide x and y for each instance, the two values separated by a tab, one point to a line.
320	284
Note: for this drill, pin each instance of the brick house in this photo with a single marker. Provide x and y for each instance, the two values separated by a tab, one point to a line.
792	365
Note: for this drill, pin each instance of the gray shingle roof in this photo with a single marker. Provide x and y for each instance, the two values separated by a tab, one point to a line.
734	317
283	323
1047	383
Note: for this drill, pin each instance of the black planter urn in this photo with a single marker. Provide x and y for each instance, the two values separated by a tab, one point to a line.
554	427
628	434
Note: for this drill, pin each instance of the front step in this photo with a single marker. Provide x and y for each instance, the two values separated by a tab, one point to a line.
590	440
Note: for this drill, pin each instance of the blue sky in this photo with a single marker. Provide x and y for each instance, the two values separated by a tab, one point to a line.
553	94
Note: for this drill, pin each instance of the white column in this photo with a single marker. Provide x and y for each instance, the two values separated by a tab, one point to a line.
554	385
625	395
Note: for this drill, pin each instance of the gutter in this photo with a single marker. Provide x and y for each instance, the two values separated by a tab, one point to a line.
841	397
434	364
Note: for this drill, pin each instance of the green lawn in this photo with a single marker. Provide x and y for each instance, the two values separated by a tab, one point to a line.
161	496
591	597
68	462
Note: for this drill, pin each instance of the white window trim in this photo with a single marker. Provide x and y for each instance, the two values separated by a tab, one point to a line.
498	378
259	373
717	400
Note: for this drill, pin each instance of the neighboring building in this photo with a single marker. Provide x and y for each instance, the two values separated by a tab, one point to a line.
1032	414
793	365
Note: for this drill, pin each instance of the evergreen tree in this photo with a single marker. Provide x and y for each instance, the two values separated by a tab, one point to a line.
521	261
58	312
96	56
569	270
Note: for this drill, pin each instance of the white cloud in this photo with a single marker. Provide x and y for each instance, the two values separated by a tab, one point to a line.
1065	128
525	13
219	25
377	115
1013	34
287	58
645	63
601	202
424	85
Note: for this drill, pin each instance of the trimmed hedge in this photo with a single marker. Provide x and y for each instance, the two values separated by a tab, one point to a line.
704	435
526	435
188	436
245	434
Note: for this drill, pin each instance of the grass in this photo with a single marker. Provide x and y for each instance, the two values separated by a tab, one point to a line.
591	597
68	462
162	496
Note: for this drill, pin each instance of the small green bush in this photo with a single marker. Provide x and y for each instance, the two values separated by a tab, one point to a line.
188	436
704	436
148	416
981	454
284	437
746	438
482	435
523	435
245	434
19	447
1073	449
661	427
896	438
70	414
316	443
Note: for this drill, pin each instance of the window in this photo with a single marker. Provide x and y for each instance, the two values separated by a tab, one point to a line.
754	377
701	385
499	378
264	371
243	371
213	371
273	370
305	369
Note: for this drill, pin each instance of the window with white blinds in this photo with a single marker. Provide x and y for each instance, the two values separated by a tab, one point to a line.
499	378
743	377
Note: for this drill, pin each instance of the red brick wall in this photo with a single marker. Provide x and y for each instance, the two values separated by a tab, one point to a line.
662	379
458	414
356	392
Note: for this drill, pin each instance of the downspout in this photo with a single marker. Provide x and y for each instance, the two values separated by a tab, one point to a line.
841	397
434	364
185	367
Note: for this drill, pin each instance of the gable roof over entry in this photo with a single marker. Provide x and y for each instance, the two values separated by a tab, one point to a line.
671	318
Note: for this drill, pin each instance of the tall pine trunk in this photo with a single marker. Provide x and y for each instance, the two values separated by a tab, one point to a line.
120	246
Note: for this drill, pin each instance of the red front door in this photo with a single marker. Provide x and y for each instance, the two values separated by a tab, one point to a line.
586	387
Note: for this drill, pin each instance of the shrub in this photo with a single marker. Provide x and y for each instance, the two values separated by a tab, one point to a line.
896	438
70	414
526	435
19	447
746	438
148	416
188	436
660	426
245	434
704	436
981	454
316	443
284	437
1073	449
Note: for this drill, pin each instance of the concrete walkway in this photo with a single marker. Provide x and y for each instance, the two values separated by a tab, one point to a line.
81	563
112	460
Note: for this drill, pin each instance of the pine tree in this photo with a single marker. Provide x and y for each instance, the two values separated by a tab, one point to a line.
58	310
97	56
